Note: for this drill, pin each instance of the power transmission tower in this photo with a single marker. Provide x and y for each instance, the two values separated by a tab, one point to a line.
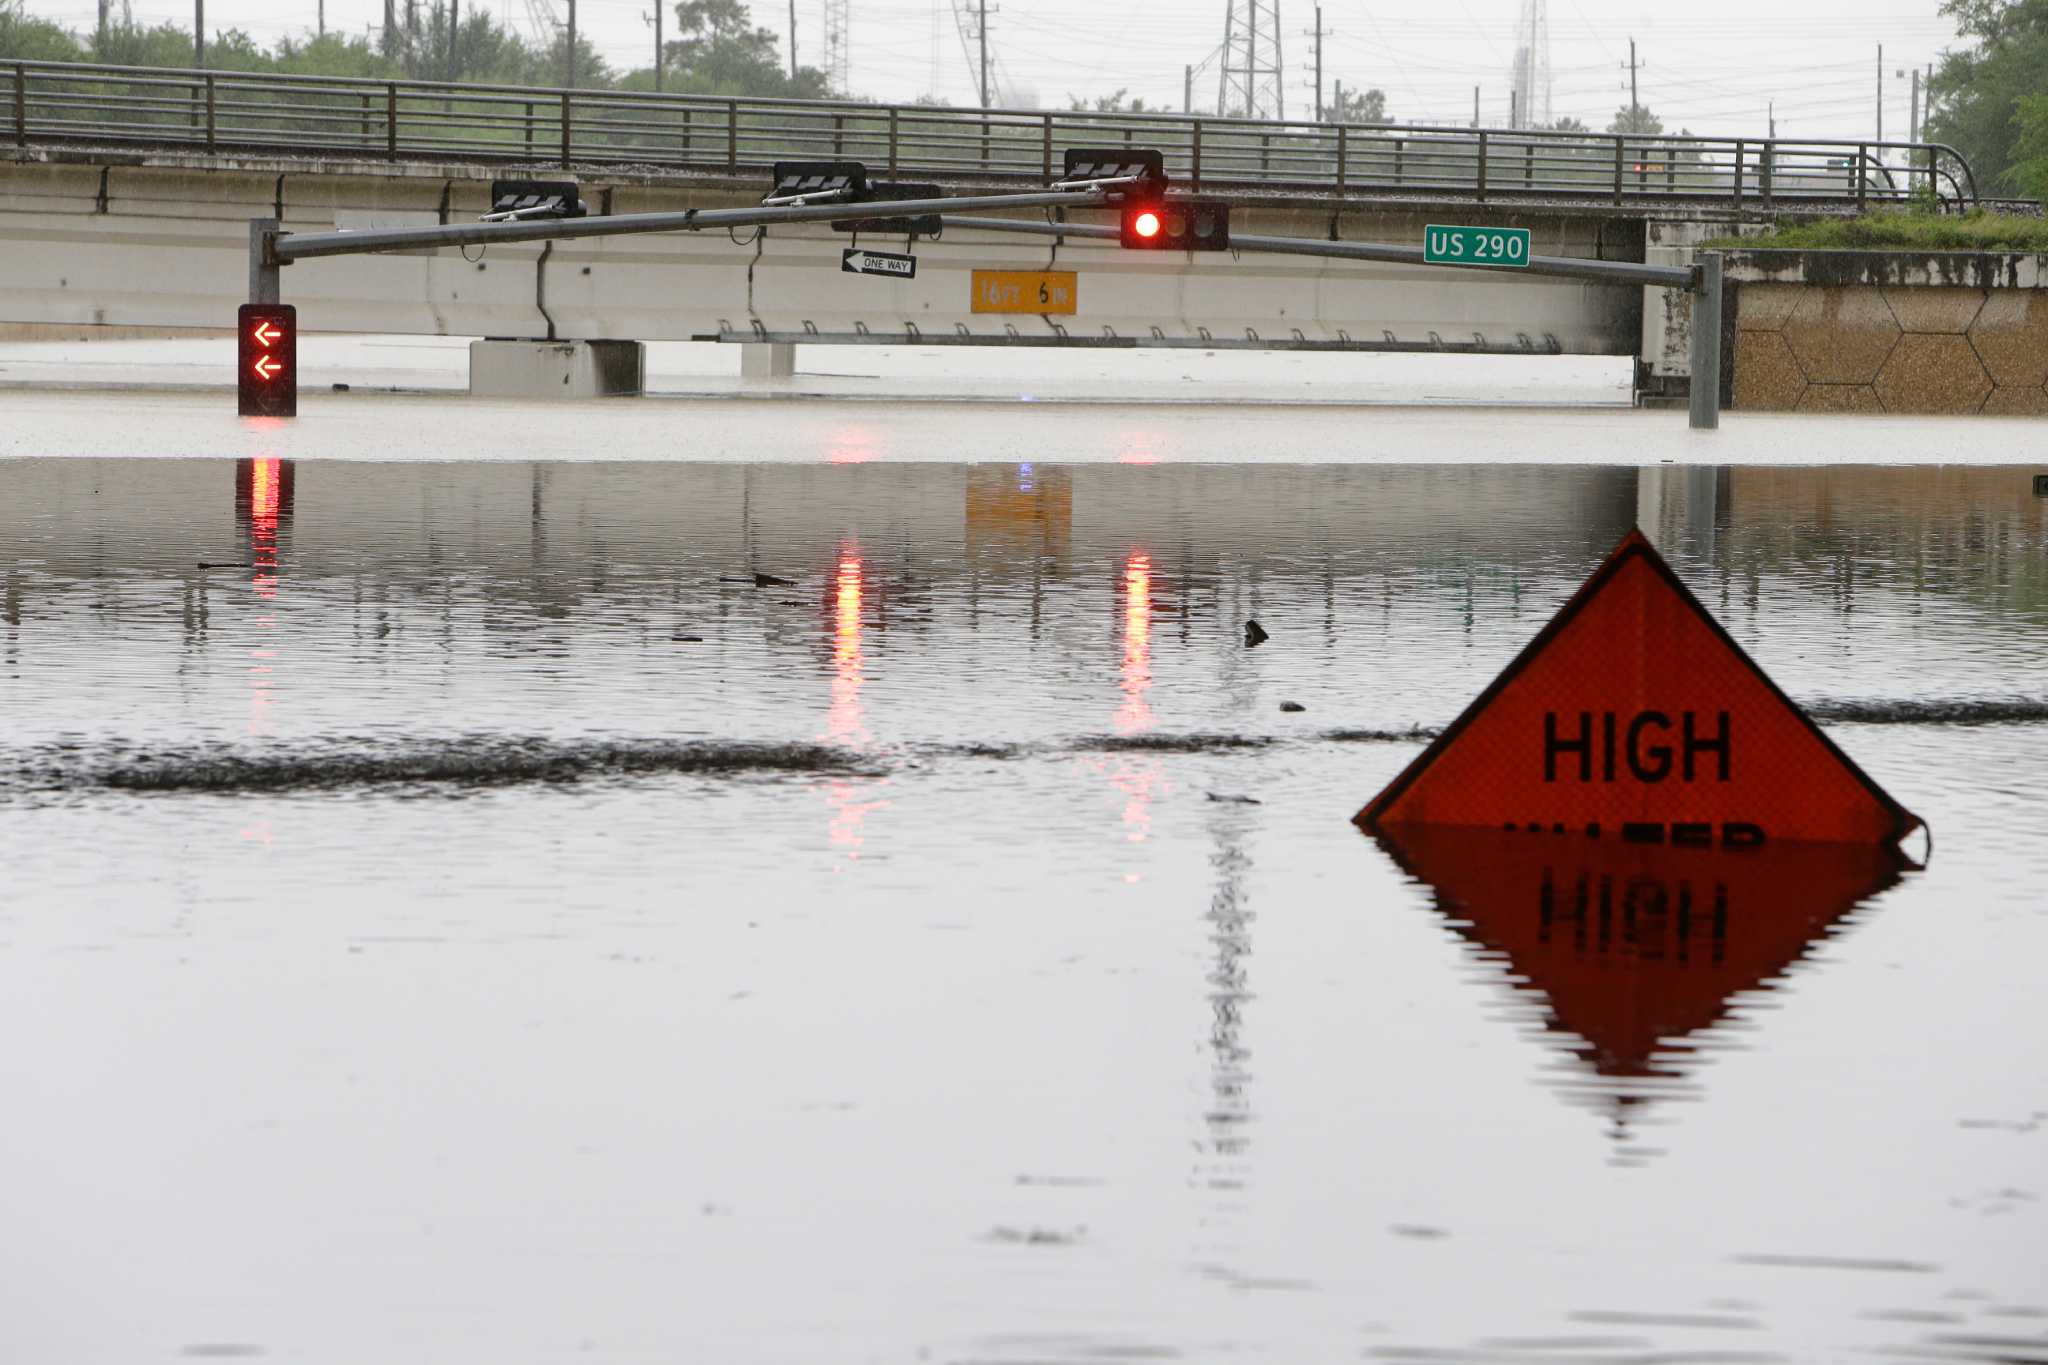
838	58
1254	80
1530	80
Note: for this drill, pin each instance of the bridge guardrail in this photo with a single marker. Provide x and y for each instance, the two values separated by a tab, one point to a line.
72	103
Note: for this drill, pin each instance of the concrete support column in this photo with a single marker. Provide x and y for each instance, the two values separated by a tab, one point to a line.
503	368
1705	398
767	359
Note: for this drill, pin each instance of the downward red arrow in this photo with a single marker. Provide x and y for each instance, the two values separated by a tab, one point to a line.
266	333
267	367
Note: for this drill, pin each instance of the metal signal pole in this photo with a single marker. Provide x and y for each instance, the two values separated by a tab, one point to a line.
571	81
983	29
792	39
199	32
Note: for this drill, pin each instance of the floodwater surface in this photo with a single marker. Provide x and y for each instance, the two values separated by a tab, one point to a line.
773	912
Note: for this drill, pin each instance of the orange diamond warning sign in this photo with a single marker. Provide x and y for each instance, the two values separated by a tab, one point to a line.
1634	716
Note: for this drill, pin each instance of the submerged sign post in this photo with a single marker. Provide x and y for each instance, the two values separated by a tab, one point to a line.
1446	245
1634	717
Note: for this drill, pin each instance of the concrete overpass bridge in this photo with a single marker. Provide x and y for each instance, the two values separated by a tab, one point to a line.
125	200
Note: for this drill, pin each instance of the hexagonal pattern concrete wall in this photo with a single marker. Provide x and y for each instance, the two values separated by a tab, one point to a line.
1862	348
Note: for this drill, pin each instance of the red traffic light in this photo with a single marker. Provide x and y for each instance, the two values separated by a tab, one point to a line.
267	360
1176	225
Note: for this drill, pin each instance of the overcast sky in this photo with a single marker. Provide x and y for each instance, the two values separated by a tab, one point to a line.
1711	68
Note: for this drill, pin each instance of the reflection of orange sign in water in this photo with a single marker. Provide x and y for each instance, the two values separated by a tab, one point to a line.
1634	716
1023	509
1635	947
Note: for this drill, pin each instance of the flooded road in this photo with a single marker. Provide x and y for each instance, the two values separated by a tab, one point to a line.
766	912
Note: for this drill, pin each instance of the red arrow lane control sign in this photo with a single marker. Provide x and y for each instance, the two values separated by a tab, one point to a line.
267	360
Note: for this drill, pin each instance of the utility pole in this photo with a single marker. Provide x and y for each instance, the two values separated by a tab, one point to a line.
1319	33
1337	102
1632	104
792	39
1187	92
1772	107
983	27
660	56
100	42
1880	97
1475	106
323	17
1913	110
571	82
199	32
454	38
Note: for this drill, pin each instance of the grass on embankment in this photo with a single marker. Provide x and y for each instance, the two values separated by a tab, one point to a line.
1902	230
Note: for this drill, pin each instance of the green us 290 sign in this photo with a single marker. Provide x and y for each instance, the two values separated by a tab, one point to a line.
1442	245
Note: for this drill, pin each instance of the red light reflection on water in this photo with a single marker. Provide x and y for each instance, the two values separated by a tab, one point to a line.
1136	775
266	509
266	488
1136	714
846	717
850	445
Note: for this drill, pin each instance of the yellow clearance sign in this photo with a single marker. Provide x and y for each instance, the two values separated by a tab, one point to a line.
1025	291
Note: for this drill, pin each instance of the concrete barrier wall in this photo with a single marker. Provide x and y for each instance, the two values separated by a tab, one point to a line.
160	244
1950	333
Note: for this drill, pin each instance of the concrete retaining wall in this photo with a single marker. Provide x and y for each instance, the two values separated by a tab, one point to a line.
1839	331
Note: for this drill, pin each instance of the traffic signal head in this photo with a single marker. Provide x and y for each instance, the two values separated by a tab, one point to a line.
1176	225
882	191
1145	165
267	360
823	181
514	200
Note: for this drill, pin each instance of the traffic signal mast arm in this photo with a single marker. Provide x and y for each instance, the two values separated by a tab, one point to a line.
282	248
286	247
1571	267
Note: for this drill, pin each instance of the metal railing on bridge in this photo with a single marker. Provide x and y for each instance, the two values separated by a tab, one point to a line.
56	103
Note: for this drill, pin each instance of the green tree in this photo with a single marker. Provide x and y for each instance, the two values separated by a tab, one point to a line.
1977	92
1568	124
1360	106
128	43
24	39
1635	118
332	55
719	50
2030	148
1119	103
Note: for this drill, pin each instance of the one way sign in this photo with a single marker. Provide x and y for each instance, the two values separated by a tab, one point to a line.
858	262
